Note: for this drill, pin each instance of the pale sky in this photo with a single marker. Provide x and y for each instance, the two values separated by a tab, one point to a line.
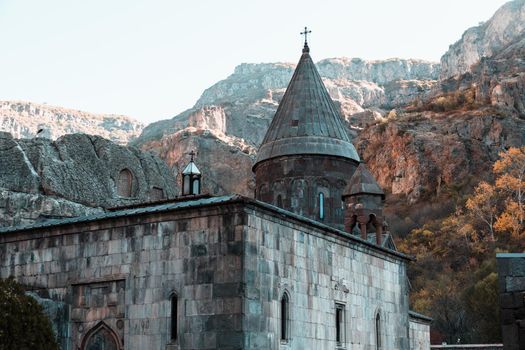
152	59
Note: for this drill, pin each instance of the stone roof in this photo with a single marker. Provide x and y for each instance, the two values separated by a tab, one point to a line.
363	182
196	202
416	315
192	202
306	121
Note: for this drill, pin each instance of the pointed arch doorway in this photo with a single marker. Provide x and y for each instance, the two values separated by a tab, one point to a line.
101	337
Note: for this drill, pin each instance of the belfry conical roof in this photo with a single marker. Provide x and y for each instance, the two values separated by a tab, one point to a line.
363	182
306	121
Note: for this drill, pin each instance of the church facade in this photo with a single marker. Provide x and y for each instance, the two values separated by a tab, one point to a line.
308	264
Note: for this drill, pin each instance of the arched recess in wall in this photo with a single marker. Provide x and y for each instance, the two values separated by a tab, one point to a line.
378	330
125	183
263	191
101	337
284	317
322	199
279	193
174	317
279	201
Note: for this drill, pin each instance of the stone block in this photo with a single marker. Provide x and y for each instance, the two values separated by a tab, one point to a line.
227	290
199	250
509	333
516	267
230	340
203	291
515	284
507	316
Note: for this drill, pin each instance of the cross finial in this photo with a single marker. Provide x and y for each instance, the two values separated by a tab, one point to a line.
192	154
305	33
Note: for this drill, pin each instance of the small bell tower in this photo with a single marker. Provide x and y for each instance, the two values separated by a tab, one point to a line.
191	178
363	200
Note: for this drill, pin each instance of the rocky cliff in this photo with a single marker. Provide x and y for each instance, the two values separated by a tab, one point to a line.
484	40
76	174
500	79
24	119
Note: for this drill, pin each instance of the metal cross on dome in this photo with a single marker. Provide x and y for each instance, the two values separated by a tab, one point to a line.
192	154
305	33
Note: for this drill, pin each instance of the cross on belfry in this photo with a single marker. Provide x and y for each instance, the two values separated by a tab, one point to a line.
305	33
192	154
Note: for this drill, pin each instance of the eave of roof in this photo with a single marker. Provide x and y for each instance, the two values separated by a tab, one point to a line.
419	316
201	202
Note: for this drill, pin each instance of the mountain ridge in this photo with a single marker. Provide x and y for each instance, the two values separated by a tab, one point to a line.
23	119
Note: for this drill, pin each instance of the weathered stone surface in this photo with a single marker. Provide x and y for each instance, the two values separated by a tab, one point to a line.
420	335
378	71
403	92
16	171
19	208
500	79
294	183
484	40
316	276
420	153
41	177
24	119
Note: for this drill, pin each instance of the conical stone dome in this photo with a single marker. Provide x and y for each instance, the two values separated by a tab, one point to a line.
306	159
306	121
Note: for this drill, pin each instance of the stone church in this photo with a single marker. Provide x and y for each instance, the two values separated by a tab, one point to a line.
308	264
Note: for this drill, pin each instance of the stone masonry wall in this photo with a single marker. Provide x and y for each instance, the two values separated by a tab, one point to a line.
419	335
318	270
228	265
511	276
123	272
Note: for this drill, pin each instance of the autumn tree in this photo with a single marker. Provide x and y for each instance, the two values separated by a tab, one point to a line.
510	172
483	205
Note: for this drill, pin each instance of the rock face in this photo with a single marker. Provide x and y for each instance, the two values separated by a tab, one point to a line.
73	175
500	80
24	119
420	154
18	208
379	72
484	40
